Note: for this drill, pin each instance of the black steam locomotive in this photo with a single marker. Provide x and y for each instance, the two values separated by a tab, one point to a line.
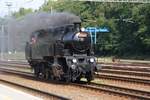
62	52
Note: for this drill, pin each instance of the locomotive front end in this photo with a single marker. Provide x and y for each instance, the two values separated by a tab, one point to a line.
82	66
82	62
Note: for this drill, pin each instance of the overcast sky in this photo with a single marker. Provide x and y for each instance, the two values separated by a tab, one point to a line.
16	4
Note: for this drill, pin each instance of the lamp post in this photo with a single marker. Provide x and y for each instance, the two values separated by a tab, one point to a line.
9	5
2	42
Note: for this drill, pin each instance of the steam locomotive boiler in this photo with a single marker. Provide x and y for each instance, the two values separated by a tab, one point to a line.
62	52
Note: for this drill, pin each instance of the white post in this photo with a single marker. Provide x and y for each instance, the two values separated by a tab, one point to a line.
8	4
2	42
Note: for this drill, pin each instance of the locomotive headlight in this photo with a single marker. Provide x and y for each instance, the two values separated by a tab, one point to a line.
74	60
91	60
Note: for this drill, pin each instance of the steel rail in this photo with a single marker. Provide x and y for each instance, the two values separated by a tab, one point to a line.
103	87
127	68
108	88
126	64
15	62
29	88
15	65
16	72
131	79
123	78
125	72
36	90
139	94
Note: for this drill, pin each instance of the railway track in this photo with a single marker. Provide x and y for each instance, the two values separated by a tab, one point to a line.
14	62
23	65
98	75
126	64
145	95
141	75
34	90
49	95
121	91
114	90
100	87
126	68
122	78
126	72
32	78
102	63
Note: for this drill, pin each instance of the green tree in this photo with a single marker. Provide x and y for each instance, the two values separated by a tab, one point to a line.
129	24
22	12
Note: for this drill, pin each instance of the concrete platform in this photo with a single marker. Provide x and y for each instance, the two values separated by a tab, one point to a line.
8	93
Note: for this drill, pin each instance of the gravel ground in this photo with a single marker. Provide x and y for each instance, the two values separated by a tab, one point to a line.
68	91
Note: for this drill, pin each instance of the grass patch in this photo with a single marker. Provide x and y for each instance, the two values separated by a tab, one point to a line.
96	80
104	59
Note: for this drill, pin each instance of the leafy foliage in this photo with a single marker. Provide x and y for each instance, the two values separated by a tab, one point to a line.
22	12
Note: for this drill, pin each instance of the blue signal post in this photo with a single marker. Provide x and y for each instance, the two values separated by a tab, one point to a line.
93	31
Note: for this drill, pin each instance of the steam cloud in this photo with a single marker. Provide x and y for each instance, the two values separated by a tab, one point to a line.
21	29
